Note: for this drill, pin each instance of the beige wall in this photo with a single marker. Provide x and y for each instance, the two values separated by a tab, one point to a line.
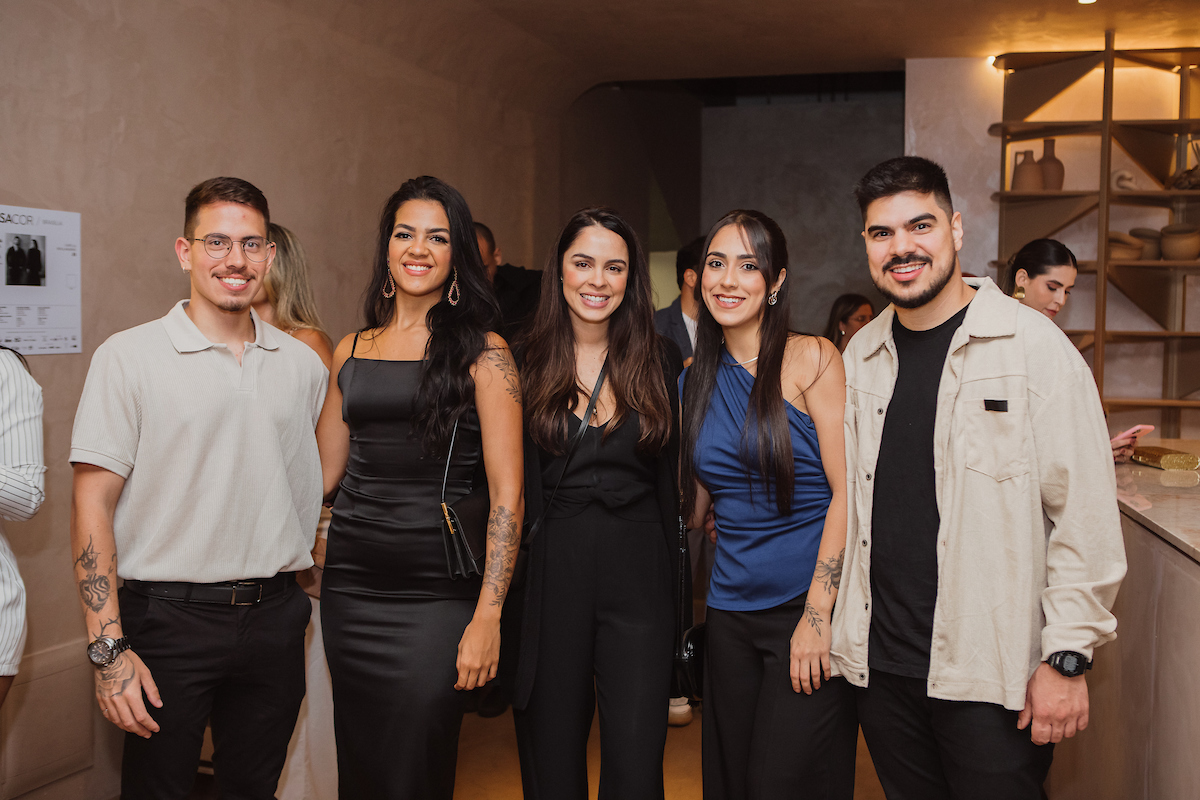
115	110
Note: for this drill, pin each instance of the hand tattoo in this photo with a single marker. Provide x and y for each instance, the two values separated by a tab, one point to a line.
813	617
500	358
504	537
829	571
114	678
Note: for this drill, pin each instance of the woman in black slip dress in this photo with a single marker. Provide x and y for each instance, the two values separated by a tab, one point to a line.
598	618
402	638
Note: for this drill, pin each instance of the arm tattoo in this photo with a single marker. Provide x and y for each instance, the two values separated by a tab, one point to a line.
829	571
95	590
88	558
504	537
500	358
813	617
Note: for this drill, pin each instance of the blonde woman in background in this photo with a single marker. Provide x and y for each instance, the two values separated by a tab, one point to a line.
286	301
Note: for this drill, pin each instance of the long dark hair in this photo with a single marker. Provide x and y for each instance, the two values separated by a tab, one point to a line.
843	307
1036	258
457	333
548	377
766	415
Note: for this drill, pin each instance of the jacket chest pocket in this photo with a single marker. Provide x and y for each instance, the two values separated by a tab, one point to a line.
994	434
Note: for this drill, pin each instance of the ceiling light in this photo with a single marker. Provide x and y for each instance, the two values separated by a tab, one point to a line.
1086	2
991	61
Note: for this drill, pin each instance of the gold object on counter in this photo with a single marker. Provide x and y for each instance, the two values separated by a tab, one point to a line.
1165	458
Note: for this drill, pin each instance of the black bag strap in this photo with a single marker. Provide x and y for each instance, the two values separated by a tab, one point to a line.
583	426
449	455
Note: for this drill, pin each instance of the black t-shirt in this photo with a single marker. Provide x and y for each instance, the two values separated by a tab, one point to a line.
904	517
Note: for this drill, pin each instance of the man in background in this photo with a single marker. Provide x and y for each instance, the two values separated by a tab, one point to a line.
517	289
14	262
677	321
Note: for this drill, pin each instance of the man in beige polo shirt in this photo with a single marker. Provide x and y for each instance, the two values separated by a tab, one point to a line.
197	482
984	549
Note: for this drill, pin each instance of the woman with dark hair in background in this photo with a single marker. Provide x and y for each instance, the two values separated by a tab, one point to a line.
849	313
426	387
1041	275
763	447
598	620
22	490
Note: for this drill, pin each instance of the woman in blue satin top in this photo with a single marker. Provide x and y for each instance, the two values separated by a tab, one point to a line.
763	451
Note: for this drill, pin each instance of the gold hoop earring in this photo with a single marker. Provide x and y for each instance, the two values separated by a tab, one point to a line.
1019	293
773	298
454	294
391	284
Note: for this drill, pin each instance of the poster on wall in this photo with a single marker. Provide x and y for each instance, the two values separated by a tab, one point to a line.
40	296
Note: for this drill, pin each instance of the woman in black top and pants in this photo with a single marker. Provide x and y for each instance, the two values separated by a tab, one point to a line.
599	593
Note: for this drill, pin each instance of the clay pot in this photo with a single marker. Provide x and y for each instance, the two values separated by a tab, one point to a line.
1153	240
1052	169
1123	247
1027	174
1181	242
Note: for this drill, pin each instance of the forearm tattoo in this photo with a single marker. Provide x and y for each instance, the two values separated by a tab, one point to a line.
504	538
813	617
94	587
503	362
829	571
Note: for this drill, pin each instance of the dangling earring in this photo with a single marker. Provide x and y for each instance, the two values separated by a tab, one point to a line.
454	294
773	297
389	288
1019	294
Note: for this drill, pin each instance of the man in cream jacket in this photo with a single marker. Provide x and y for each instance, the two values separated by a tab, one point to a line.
984	549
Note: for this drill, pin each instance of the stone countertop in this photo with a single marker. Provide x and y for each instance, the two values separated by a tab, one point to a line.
1165	501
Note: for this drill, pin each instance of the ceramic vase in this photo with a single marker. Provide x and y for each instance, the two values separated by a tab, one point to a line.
1052	168
1181	242
1153	240
1027	174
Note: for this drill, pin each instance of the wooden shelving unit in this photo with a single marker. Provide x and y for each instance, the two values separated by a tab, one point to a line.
1160	147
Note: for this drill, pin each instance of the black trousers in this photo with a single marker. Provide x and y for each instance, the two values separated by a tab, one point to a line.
240	666
761	739
606	641
929	749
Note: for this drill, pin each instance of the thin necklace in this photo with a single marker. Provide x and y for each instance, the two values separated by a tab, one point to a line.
747	361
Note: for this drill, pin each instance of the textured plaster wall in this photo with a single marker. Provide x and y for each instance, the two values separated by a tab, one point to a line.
115	110
948	105
798	164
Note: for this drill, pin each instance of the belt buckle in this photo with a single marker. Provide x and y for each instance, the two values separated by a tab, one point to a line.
240	584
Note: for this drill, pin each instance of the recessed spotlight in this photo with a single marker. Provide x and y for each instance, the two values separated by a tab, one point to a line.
1086	2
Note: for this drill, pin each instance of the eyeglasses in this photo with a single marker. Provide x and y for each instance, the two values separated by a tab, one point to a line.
218	245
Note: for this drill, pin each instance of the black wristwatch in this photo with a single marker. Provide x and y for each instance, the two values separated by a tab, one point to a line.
1069	663
104	650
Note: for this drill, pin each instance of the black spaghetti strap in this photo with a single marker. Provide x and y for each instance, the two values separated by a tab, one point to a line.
354	346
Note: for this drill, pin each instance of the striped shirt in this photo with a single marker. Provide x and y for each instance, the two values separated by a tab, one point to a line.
22	489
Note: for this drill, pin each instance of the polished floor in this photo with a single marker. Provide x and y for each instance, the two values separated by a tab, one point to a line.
488	770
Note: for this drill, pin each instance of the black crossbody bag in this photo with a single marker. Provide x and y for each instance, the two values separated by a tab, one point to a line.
464	525
689	647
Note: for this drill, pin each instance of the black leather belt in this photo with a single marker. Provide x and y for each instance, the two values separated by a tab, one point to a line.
230	593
